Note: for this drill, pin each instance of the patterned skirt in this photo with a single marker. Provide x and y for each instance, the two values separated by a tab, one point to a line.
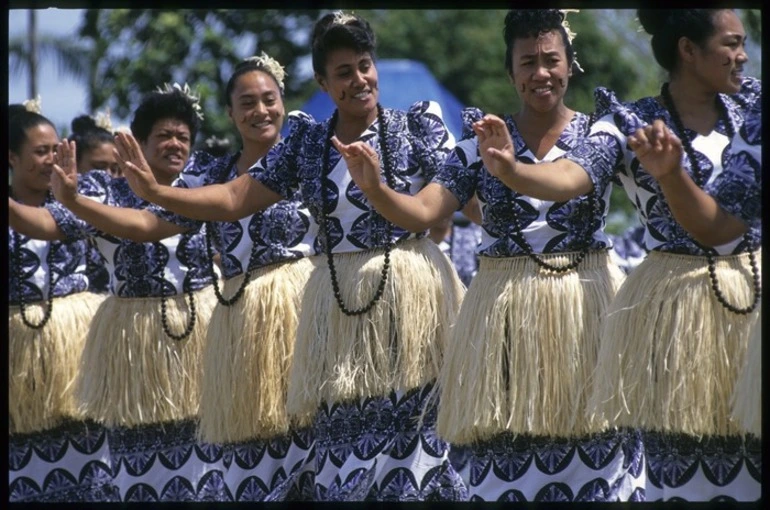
602	467
378	449
681	467
165	463
268	470
668	365
68	463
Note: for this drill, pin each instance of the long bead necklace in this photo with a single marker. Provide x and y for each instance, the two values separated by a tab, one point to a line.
190	324
325	219
252	256
585	245
20	278
16	258
699	180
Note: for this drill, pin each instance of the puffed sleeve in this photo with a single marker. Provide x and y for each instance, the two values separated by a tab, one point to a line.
201	169
430	137
460	171
94	185
738	189
601	153
276	169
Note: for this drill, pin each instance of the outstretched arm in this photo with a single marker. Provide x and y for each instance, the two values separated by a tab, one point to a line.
34	222
414	213
660	153
134	224
557	181
231	201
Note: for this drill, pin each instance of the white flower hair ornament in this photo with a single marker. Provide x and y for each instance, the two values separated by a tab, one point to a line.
103	121
570	35
33	105
270	65
342	18
168	88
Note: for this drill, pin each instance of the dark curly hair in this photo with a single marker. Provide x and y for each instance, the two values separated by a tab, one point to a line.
524	23
88	136
161	106
667	26
328	36
19	121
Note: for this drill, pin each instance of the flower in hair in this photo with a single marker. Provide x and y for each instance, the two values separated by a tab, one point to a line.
570	34
168	88
103	121
341	18
33	105
270	65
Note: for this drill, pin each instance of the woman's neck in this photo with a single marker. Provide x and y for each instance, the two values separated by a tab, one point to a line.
28	196
533	121
349	128
695	104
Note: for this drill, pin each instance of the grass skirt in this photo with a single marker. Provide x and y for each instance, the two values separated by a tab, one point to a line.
747	398
248	354
523	348
132	372
398	345
670	351
43	363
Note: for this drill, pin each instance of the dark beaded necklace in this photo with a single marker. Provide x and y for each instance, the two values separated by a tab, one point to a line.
585	245
699	180
252	256
325	219
16	259
20	279
191	323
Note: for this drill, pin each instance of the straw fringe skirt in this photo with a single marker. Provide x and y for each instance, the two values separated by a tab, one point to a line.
43	363
747	398
248	354
670	351
132	372
398	345
523	348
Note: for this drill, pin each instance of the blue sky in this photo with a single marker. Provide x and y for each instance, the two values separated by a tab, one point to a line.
63	98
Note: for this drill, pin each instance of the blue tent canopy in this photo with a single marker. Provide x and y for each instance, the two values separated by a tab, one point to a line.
402	83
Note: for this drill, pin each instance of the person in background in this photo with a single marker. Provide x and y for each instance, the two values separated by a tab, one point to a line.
54	455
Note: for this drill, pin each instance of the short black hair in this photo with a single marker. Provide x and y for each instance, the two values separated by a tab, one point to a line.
524	23
87	135
164	105
328	35
19	121
667	26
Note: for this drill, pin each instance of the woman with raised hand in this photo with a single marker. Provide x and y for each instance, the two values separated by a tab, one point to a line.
376	311
53	454
95	143
676	333
141	366
514	385
265	260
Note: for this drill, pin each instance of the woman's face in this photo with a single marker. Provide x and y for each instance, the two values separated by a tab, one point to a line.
33	165
257	108
351	82
540	70
167	148
719	62
101	157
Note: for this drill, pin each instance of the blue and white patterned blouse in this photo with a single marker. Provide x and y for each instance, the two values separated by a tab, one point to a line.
418	141
164	268
283	231
606	156
548	227
68	267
